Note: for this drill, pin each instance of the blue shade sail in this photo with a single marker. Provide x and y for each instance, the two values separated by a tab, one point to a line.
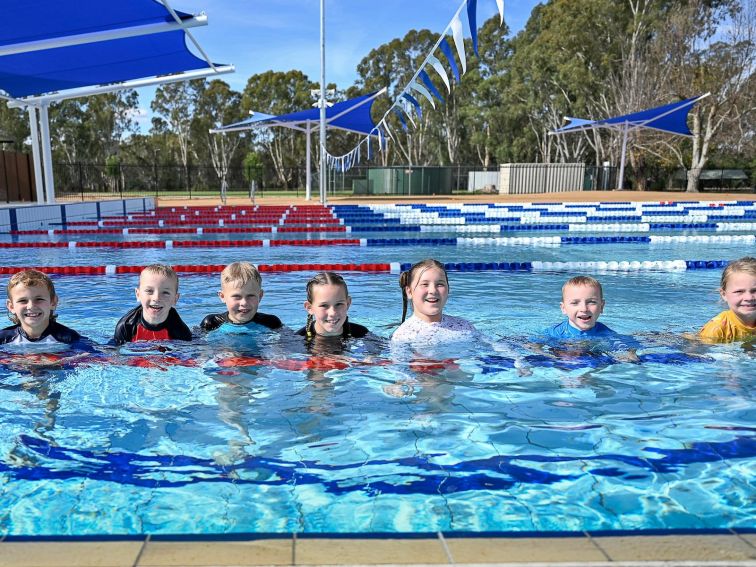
352	115
40	72
36	20
672	118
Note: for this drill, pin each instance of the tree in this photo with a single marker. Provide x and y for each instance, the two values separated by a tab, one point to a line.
216	104
174	105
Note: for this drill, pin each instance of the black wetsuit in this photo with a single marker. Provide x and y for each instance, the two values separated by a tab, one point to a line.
214	321
348	331
54	334
132	327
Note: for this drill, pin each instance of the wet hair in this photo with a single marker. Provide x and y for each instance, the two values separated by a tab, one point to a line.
160	270
30	278
406	278
583	280
240	273
746	265
322	278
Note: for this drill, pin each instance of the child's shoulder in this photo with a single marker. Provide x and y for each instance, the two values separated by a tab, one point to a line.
267	320
456	323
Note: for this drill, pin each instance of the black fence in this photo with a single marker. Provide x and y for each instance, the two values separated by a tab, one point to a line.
81	181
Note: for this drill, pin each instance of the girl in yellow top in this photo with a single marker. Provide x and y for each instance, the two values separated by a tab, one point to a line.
738	290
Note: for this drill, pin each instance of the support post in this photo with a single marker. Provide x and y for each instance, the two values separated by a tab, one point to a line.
622	159
39	182
44	127
322	106
308	182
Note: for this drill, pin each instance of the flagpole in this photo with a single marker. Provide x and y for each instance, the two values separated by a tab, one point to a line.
322	106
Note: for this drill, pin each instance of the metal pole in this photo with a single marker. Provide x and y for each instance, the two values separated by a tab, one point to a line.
44	123
622	160
308	183
39	182
322	106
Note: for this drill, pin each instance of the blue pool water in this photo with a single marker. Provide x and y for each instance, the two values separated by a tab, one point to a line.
387	441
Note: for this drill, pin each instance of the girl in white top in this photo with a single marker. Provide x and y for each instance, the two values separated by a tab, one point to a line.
426	286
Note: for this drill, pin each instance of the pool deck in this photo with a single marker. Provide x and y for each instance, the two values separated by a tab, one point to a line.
567	197
687	549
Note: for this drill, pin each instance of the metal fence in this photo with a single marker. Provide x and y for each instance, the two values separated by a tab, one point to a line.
83	181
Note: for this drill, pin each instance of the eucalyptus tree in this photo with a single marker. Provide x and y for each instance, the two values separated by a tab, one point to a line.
14	125
216	105
276	93
174	106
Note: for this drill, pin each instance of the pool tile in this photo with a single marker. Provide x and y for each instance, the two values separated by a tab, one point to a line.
676	548
523	550
69	554
253	552
327	551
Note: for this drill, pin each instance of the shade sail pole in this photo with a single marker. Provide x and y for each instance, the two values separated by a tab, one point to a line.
622	159
39	182
308	183
322	106
44	126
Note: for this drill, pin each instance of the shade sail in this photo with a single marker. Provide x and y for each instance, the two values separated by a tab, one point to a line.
352	115
114	61
49	46
672	118
35	20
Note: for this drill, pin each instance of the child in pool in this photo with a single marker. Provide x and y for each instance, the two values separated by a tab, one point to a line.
426	286
155	317
241	291
31	304
582	303
738	290
327	304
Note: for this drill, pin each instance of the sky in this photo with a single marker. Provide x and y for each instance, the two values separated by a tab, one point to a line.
280	35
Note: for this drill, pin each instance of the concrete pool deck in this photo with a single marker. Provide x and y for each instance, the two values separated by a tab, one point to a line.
688	549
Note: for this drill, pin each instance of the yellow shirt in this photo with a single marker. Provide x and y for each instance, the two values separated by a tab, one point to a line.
725	328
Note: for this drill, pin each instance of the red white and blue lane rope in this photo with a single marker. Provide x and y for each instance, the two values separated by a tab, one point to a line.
396	267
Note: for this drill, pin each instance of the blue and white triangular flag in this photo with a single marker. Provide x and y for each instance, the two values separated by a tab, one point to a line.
459	41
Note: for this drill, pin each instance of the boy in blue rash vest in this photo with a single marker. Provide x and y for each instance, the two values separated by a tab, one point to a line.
31	304
155	317
241	291
582	303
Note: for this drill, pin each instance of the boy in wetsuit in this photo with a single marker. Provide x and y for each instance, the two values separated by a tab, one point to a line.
155	317
241	291
582	303
31	304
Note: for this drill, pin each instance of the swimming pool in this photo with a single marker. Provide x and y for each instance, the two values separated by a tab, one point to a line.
182	442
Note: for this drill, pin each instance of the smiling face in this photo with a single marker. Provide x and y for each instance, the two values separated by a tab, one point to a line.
32	306
328	308
582	304
428	291
740	295
241	301
157	294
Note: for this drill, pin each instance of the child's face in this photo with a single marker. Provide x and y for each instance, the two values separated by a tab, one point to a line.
33	306
329	307
740	295
241	301
157	294
582	304
428	292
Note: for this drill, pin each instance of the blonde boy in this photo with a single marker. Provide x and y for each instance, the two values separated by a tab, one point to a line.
155	317
31	304
241	291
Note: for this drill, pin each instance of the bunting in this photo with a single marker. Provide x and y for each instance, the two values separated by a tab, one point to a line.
406	103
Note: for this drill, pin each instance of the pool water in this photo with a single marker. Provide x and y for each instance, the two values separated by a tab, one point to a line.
255	434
